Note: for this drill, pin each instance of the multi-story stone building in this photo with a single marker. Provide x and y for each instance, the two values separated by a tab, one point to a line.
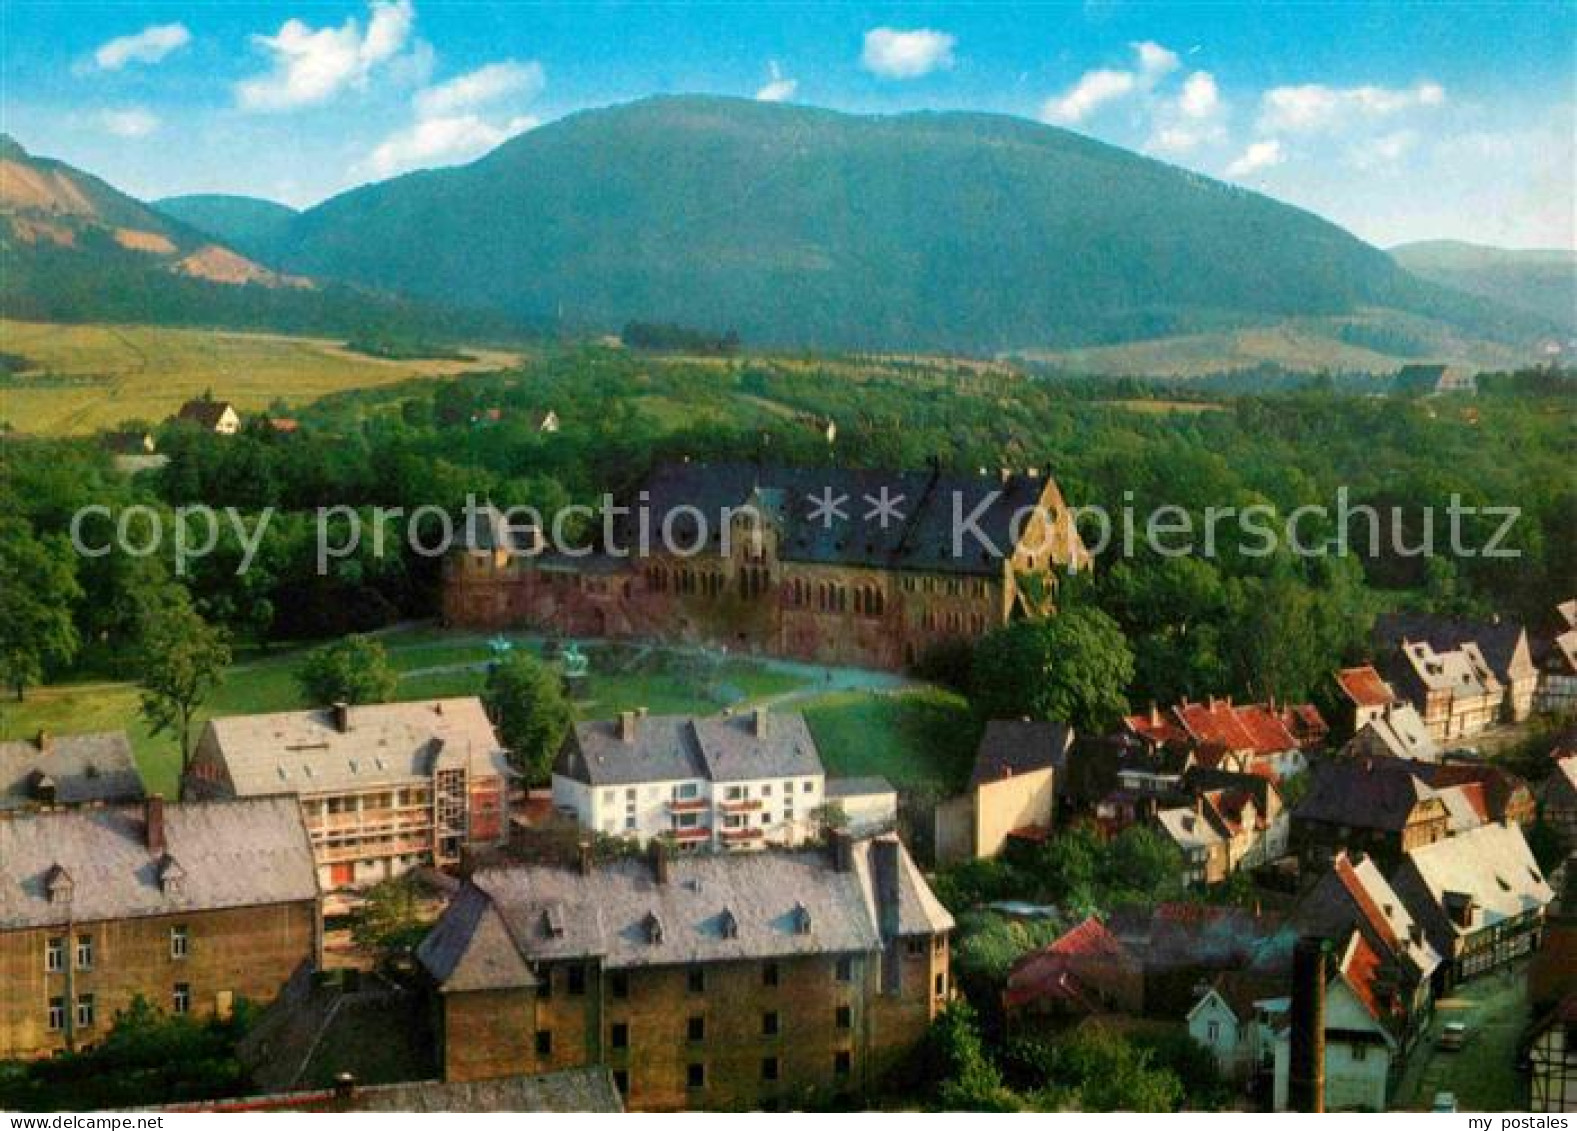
734	781
721	981
833	565
191	906
382	788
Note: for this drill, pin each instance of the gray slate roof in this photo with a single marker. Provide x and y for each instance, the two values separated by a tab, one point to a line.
617	912
683	747
1501	641
1365	793
1017	746
922	540
386	744
83	767
231	854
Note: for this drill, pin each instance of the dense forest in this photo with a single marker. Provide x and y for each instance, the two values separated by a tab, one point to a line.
1236	622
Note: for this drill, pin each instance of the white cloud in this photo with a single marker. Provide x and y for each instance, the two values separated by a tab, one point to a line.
1093	90
310	65
1155	61
451	123
778	88
130	122
1259	155
480	87
445	141
894	54
1201	98
1377	152
149	45
1314	106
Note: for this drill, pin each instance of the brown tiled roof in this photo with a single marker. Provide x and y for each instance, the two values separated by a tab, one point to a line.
1502	789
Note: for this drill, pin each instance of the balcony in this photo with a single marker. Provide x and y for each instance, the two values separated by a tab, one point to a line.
741	835
688	805
741	805
692	835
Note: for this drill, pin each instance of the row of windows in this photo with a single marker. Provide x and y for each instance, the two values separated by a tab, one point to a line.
55	950
87	1008
833	597
951	586
690	791
953	621
695	1071
695	978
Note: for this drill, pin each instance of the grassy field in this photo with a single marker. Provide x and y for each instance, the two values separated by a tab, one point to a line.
916	739
1303	344
90	377
913	738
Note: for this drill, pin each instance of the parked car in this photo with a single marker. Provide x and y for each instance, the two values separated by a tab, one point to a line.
1453	1035
1445	1101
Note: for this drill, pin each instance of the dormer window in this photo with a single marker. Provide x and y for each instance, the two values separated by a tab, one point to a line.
553	922
801	919
654	928
58	885
172	877
727	925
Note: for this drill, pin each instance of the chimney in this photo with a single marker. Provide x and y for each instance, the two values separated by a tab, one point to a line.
1155	715
341	712
758	722
1004	474
627	726
842	850
153	821
344	1086
1306	1075
885	880
662	866
583	857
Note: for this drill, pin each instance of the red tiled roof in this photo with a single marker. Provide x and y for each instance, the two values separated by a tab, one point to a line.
1361	966
1052	971
1365	687
1365	902
1218	725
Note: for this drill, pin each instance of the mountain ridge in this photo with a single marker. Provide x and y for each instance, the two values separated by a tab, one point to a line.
802	226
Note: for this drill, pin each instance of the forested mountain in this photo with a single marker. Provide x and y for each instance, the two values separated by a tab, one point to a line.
75	249
1542	282
247	223
799	226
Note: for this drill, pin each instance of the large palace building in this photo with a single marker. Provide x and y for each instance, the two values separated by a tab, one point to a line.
834	565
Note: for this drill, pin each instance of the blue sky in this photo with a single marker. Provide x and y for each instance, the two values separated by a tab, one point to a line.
1399	121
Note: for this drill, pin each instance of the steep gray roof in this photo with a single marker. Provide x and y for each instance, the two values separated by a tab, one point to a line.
228	854
82	767
1501	641
1366	793
679	747
1017	746
712	908
384	744
921	540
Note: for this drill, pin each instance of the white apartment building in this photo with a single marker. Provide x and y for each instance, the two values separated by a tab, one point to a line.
728	782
